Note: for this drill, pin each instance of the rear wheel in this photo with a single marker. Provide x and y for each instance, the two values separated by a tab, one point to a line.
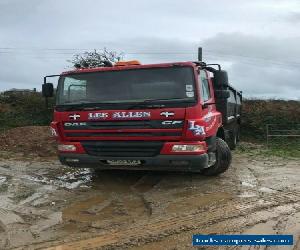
223	159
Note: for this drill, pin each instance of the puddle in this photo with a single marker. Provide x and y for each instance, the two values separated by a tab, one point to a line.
196	201
86	210
42	225
117	181
70	180
3	179
247	184
186	193
262	228
74	175
247	195
147	182
102	210
266	190
96	212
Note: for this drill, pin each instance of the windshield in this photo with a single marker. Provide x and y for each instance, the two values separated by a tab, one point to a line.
128	86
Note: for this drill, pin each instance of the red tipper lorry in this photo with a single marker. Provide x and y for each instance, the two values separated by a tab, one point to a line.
179	116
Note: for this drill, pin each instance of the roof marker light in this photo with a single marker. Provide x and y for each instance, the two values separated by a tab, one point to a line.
127	63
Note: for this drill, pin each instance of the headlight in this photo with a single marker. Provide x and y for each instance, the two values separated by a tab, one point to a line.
65	147
187	148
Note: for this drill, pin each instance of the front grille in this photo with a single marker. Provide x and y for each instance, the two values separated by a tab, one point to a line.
122	149
145	124
135	129
82	134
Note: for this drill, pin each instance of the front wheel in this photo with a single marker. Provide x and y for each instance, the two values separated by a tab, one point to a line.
223	159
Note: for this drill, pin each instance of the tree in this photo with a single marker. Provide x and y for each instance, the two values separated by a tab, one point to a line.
94	59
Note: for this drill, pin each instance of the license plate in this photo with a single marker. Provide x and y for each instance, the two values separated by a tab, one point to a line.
124	162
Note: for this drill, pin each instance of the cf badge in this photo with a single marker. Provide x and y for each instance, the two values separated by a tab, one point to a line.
171	122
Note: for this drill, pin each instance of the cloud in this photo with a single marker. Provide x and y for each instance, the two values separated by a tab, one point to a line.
265	48
260	66
256	41
293	17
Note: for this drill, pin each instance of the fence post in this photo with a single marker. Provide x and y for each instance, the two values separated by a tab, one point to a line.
267	131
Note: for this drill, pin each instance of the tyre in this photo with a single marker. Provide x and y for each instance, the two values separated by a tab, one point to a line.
232	140
223	159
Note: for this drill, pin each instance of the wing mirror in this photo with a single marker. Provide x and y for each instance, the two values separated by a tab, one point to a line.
220	78
47	90
222	94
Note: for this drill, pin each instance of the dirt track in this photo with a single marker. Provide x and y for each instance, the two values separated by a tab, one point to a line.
45	205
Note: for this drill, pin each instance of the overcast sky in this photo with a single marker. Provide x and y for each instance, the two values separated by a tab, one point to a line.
257	41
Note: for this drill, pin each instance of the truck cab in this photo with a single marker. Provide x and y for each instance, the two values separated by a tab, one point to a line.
170	116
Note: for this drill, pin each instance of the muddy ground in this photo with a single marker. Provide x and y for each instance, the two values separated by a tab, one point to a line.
45	205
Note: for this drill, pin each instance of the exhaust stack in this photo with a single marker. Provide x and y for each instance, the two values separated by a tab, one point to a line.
200	54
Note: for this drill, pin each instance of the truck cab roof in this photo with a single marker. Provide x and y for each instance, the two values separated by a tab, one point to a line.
128	67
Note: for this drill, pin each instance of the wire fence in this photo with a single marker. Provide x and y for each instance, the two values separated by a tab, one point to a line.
279	131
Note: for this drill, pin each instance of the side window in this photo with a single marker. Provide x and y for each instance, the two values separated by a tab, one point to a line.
204	91
232	97
239	101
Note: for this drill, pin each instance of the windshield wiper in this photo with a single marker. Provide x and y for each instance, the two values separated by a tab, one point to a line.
83	105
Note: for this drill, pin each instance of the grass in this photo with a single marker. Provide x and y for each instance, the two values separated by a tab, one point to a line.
284	148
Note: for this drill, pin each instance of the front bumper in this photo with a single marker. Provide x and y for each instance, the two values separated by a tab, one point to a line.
190	163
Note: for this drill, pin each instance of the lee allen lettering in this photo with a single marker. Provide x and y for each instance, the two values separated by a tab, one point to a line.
118	115
96	116
122	115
